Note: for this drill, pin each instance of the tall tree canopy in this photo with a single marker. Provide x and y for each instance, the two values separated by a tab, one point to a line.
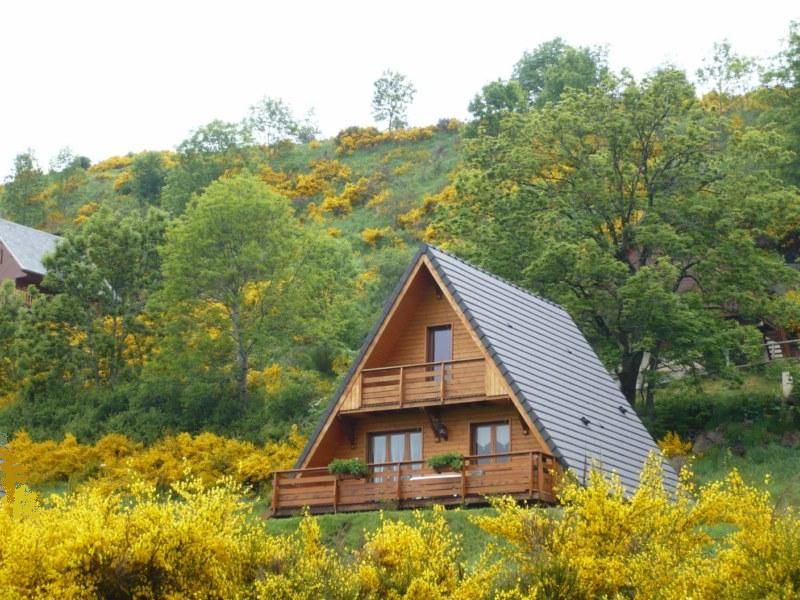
495	100
555	66
102	275
239	263
21	199
641	211
202	158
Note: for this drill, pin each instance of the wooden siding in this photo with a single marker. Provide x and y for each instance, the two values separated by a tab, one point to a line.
456	418
423	306
9	268
400	390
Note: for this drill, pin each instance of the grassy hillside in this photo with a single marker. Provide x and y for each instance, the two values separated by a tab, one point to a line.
345	532
742	424
407	169
357	188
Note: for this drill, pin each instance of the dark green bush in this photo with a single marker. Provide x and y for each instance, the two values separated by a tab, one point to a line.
446	460
348	466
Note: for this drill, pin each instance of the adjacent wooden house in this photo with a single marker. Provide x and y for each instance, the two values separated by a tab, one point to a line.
464	362
21	251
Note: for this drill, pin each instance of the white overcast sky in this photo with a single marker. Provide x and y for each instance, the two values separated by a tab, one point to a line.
111	77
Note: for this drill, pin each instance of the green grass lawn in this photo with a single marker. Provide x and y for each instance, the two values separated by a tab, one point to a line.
344	532
780	463
757	429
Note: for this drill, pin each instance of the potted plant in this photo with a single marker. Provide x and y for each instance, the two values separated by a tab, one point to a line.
447	461
353	467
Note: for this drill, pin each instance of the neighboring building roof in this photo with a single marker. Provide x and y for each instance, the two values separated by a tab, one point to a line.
548	363
28	245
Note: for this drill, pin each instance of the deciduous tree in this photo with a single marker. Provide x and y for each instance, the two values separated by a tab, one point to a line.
554	66
641	211
392	95
238	261
21	196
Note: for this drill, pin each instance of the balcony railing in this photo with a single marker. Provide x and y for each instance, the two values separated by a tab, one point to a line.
523	475
419	384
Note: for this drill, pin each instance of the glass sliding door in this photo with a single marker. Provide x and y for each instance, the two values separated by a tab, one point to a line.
395	447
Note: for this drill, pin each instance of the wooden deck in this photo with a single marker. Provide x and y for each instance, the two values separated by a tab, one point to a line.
25	295
523	475
422	384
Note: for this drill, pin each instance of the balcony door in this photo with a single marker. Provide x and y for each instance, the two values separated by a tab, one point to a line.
439	349
440	343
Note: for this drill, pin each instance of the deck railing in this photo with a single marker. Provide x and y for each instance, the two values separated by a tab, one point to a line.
523	475
419	384
25	295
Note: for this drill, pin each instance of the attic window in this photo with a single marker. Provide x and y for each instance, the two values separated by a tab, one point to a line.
585	421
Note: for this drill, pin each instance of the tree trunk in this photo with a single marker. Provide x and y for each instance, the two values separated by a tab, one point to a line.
650	381
242	358
628	374
243	365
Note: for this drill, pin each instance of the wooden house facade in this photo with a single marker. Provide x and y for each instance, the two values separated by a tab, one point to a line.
462	362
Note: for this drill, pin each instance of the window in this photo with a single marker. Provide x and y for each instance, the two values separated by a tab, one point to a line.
395	446
491	438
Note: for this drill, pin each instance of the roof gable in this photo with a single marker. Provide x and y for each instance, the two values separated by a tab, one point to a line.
28	245
546	361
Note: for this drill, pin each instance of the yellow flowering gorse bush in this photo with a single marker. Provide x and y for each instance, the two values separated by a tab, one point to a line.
115	461
723	540
672	445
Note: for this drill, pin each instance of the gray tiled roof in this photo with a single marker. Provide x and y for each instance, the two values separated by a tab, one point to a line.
546	360
28	245
553	371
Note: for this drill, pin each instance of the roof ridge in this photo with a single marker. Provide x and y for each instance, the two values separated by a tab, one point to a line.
493	276
38	231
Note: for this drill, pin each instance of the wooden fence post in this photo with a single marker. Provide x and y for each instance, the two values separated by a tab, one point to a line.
540	475
274	493
401	386
335	493
441	382
397	490
530	475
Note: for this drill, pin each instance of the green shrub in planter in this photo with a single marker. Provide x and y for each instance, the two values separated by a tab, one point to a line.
448	460
348	466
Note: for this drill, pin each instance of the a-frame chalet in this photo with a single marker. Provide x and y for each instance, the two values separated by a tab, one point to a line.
464	362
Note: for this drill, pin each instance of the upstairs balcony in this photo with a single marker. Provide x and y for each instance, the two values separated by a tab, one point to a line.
422	384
